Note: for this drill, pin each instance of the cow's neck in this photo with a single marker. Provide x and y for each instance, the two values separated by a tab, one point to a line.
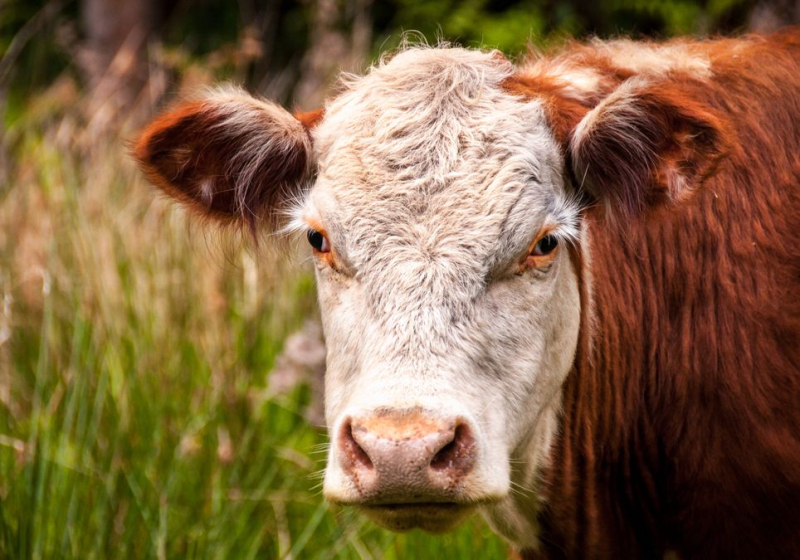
600	486
590	443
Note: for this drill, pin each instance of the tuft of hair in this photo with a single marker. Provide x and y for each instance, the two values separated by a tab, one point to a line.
228	156
566	210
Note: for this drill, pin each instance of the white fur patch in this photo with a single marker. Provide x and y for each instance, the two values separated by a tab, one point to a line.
433	181
655	59
584	82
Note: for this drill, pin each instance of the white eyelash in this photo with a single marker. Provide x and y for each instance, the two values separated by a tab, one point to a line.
296	212
565	215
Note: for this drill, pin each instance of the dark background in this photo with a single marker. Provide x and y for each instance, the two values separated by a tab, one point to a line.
288	50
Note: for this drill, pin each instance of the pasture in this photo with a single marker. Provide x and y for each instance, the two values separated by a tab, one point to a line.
139	413
138	419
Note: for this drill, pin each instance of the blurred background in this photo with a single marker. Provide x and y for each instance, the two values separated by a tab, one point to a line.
160	383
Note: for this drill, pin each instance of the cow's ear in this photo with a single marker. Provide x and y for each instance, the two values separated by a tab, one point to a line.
229	156
646	144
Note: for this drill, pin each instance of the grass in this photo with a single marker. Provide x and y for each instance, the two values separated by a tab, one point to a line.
136	414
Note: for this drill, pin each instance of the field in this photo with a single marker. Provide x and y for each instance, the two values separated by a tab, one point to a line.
137	414
147	405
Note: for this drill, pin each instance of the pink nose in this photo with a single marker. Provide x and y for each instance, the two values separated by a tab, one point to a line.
406	456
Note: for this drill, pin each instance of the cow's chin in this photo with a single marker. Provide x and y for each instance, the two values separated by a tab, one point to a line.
431	517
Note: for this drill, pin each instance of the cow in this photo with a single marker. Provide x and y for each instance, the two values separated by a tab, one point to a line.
564	292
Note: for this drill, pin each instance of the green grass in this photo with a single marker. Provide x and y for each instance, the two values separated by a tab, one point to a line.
136	415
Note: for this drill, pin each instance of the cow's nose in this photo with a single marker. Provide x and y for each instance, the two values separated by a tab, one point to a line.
406	456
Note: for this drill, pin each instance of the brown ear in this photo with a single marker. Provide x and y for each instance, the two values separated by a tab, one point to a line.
646	143
229	156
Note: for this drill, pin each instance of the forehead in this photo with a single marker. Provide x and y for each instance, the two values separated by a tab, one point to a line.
429	143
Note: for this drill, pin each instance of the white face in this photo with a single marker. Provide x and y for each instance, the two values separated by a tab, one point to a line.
434	187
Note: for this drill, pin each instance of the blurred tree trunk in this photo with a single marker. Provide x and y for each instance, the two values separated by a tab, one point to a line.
115	27
331	48
114	56
769	15
274	80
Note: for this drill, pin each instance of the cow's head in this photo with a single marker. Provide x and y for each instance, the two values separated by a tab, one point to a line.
444	223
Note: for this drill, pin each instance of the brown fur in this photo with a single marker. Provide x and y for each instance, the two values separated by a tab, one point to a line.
681	417
195	144
563	113
310	119
681	422
649	146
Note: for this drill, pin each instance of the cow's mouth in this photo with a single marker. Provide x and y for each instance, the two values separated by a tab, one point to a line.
434	517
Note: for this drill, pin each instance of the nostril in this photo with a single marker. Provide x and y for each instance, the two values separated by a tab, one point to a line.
351	450
458	453
444	457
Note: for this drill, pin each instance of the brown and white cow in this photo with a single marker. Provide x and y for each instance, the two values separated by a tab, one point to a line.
565	293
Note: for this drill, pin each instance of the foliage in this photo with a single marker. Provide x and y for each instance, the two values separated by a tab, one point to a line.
200	27
136	415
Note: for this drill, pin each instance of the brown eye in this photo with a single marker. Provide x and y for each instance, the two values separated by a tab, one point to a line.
318	241
545	246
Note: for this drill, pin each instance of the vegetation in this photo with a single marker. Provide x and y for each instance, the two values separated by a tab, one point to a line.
136	414
138	417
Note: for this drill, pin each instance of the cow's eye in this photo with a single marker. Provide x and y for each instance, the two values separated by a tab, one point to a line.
545	246
318	241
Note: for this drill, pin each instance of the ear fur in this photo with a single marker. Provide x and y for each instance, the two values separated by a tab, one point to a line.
646	143
229	156
564	112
